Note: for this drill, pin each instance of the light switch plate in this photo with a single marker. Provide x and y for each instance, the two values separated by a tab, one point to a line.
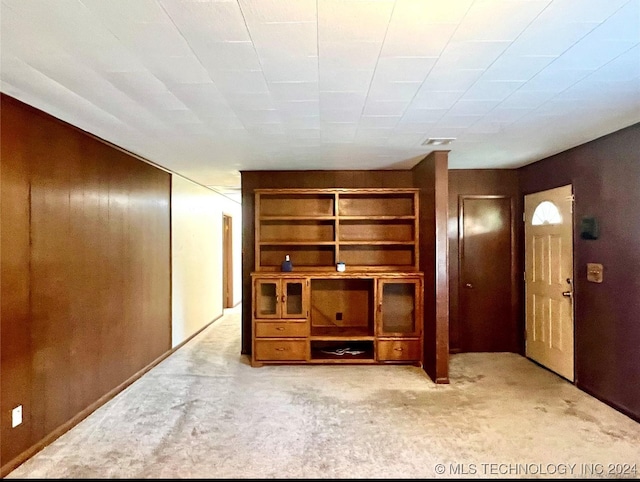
594	272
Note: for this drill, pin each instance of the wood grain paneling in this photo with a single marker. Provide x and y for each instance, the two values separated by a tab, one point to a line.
605	175
251	180
485	182
431	176
15	341
86	299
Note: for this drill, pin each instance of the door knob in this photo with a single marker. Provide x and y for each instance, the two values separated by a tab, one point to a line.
468	285
566	294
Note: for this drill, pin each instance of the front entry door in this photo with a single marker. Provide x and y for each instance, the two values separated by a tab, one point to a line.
549	279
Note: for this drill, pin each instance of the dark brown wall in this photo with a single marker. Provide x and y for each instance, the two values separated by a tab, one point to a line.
605	174
86	294
485	182
430	175
296	179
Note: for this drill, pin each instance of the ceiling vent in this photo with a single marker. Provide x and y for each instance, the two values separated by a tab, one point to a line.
438	141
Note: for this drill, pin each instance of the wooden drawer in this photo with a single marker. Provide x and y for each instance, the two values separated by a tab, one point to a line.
399	350
280	329
280	350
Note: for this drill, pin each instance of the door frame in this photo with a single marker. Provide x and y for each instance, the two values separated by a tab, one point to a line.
227	261
515	310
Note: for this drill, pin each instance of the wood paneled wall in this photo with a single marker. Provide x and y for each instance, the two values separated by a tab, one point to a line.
509	333
431	175
296	179
605	175
86	285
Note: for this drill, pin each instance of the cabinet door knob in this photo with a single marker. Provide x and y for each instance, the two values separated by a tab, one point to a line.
468	285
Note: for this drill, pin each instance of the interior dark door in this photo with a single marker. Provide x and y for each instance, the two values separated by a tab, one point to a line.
486	290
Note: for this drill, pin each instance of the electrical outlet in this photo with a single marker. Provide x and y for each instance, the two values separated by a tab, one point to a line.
16	416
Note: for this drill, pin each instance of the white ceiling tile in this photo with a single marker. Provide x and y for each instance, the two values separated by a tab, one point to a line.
240	81
451	80
279	11
517	67
342	100
479	23
405	69
178	70
295	91
505	115
436	99
556	79
302	122
527	99
549	38
339	132
340	115
151	38
491	90
285	40
228	56
348	55
127	11
344	20
250	101
427	12
406	127
592	11
423	115
205	22
458	121
385	107
625	67
348	80
283	70
265	116
294	109
416	39
393	91
379	121
471	107
471	55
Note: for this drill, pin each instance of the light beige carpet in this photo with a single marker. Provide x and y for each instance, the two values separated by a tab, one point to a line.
204	412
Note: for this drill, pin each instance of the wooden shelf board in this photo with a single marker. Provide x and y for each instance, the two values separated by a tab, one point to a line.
297	218
360	217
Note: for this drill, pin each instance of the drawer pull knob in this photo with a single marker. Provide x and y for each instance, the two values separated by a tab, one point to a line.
279	349
280	328
399	348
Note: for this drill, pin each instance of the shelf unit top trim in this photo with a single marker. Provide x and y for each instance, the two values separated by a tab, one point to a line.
328	191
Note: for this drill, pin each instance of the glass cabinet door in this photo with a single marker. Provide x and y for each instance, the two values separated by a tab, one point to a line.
267	298
294	300
398	311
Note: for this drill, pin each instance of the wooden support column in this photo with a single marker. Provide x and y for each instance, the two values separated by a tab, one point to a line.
431	176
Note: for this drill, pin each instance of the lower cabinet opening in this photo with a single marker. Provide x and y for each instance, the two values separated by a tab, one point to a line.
342	350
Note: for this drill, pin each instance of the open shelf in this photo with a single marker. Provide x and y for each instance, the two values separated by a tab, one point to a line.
376	204
387	230
377	255
302	255
297	204
342	307
342	350
287	231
